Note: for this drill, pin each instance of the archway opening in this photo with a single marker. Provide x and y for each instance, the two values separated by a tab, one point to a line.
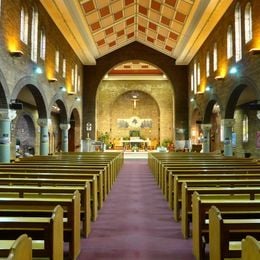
140	93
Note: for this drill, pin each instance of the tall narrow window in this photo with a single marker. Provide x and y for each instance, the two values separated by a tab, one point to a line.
245	128
248	23
195	77
64	68
34	35
207	64
215	57
79	82
191	82
24	26
73	79
198	73
43	45
238	40
0	6
57	61
229	42
76	78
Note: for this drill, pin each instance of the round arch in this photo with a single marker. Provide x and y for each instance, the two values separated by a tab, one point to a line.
177	75
37	92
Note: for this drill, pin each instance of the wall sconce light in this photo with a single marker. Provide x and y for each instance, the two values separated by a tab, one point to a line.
254	51
63	89
233	70
37	70
258	114
192	99
52	80
208	88
77	99
16	53
219	77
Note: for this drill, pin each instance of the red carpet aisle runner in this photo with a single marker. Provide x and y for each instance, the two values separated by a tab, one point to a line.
135	222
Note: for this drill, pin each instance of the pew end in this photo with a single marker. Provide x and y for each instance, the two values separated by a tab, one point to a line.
250	249
21	248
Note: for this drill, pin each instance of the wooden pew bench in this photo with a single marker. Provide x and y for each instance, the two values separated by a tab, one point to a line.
21	248
41	206
210	171
203	165
95	176
46	232
31	191
58	179
200	207
252	193
225	235
72	167
212	180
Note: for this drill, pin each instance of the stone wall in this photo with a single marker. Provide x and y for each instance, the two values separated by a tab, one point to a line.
155	102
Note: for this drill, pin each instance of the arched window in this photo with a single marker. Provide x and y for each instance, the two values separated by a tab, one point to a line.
64	68
198	73
215	57
191	82
79	82
34	35
73	79
57	61
207	64
248	23
229	42
24	25
238	40
245	128
43	45
76	78
195	77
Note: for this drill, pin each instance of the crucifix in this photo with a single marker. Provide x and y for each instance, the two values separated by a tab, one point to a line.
135	102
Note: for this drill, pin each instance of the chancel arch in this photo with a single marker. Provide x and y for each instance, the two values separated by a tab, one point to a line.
149	103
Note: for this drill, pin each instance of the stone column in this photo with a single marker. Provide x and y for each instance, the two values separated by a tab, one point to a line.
6	116
206	137
228	124
64	137
44	137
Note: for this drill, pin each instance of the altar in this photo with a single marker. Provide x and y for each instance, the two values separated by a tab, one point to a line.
135	141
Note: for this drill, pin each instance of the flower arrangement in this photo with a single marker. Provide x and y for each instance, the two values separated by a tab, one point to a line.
135	148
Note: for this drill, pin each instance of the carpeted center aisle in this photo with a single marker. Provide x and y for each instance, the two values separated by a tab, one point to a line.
135	222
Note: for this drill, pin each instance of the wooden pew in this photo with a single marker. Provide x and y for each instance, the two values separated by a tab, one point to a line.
21	248
95	176
71	209
251	192
225	235
49	230
67	179
200	208
207	171
250	248
209	180
33	191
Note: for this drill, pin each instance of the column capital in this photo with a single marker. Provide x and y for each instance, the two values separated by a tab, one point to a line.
7	114
42	122
206	127
228	122
64	126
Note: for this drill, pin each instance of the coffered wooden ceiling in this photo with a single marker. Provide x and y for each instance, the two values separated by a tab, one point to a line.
176	28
